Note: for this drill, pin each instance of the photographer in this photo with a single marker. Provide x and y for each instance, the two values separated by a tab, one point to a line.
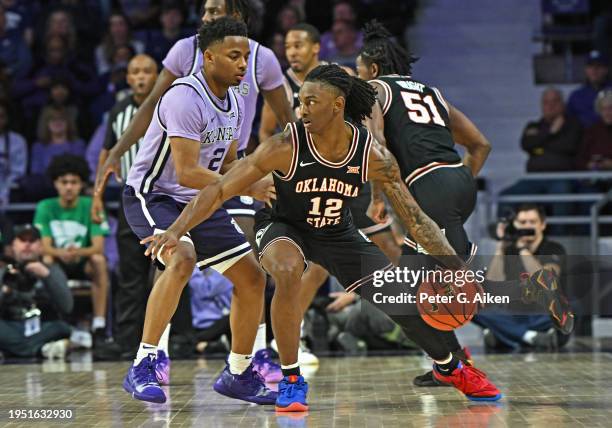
33	297
522	248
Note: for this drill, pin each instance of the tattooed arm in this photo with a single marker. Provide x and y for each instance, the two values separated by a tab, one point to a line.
383	168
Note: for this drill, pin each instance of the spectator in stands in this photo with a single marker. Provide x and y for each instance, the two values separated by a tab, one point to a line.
346	44
59	138
60	24
14	51
552	144
552	141
6	238
70	237
13	157
34	296
34	90
114	83
59	100
288	17
171	18
119	33
20	18
581	102
277	44
343	11
141	13
514	255
596	149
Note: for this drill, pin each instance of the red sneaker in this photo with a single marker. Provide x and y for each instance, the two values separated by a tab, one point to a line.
471	381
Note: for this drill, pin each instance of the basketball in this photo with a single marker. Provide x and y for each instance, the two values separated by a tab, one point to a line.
446	306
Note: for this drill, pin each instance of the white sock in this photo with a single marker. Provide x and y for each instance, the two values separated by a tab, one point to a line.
98	322
238	363
163	341
144	350
529	336
260	339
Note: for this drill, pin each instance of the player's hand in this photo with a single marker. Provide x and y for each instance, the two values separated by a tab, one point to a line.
263	190
97	209
341	300
111	166
377	211
166	242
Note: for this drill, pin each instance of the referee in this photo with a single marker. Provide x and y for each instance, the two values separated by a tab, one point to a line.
134	267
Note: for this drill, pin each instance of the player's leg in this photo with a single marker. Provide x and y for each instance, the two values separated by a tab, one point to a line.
243	209
282	256
354	260
147	214
96	268
447	196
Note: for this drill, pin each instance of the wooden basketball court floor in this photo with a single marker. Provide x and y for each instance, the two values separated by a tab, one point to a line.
548	390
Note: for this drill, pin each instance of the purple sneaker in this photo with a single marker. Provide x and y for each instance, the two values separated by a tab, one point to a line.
248	386
266	367
162	368
142	383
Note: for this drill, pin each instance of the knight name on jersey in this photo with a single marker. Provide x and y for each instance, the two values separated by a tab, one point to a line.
327	185
411	86
218	134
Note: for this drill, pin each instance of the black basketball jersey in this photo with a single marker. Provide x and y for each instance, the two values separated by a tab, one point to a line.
292	87
416	126
313	195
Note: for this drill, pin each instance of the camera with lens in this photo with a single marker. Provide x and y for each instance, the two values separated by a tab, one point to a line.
511	232
18	286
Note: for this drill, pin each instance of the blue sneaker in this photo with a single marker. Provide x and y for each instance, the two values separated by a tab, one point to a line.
162	368
142	383
292	391
248	386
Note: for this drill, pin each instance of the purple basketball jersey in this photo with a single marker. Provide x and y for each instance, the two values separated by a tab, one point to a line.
189	109
263	73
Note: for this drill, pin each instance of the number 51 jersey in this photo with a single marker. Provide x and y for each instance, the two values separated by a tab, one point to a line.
416	126
313	195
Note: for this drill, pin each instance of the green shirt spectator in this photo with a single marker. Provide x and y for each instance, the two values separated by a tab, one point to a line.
70	226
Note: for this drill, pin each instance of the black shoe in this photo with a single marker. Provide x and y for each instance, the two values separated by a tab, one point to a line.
546	340
490	341
542	288
108	350
428	379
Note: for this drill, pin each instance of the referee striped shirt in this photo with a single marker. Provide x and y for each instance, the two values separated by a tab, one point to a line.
119	118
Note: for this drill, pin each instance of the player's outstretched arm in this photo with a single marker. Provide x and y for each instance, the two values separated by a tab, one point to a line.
467	134
383	169
135	130
273	154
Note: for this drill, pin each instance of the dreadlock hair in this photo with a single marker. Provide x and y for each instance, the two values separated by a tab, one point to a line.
218	29
311	30
68	164
247	9
380	49
359	94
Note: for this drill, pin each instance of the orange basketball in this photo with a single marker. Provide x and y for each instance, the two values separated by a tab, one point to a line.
446	306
